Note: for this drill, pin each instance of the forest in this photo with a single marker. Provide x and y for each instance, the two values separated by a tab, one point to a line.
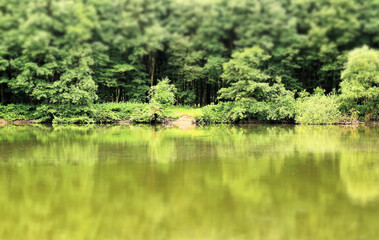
83	61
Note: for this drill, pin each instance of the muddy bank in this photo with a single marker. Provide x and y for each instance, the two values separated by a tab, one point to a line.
3	122
17	122
183	122
124	122
188	122
359	123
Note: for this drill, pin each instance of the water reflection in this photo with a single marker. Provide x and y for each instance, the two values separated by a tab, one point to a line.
215	182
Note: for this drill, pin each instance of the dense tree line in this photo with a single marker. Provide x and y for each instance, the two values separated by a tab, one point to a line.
85	51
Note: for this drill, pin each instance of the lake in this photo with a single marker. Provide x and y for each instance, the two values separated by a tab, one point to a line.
263	182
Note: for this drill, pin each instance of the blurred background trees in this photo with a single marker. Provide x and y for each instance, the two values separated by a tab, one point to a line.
84	51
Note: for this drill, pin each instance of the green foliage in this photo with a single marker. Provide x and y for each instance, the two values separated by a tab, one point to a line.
255	94
178	111
247	81
163	93
65	114
85	114
229	112
360	83
278	107
73	120
317	108
106	179
148	113
111	112
219	113
85	52
14	112
69	52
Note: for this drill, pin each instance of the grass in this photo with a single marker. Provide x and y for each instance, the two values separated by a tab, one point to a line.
177	111
100	113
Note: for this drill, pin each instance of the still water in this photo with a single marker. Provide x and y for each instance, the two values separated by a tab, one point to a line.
215	182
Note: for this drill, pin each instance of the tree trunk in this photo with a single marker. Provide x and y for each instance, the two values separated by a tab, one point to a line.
117	95
203	94
208	94
194	92
152	67
2	94
48	9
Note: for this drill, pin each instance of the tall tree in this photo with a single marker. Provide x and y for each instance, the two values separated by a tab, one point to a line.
360	82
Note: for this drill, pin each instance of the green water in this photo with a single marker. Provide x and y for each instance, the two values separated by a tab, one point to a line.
216	182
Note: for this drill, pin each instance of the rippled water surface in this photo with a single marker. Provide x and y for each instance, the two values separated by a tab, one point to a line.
216	182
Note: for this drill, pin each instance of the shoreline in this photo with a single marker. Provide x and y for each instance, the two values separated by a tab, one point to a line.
188	122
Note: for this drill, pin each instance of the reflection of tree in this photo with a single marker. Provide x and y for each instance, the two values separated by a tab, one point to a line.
216	182
360	173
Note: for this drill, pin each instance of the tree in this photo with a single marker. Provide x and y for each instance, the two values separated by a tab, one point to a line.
254	92
244	76
83	51
49	51
317	108
163	93
360	82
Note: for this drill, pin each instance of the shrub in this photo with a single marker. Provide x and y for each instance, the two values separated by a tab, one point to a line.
359	86
14	112
317	109
119	111
73	120
220	113
278	109
256	94
100	113
180	110
148	113
104	113
163	93
64	113
85	114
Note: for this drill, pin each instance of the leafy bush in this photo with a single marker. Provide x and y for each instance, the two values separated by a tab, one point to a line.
163	93
256	94
317	108
359	86
220	113
177	111
102	114
85	114
14	112
116	111
73	120
279	105
74	114
148	113
64	113
187	97
228	112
